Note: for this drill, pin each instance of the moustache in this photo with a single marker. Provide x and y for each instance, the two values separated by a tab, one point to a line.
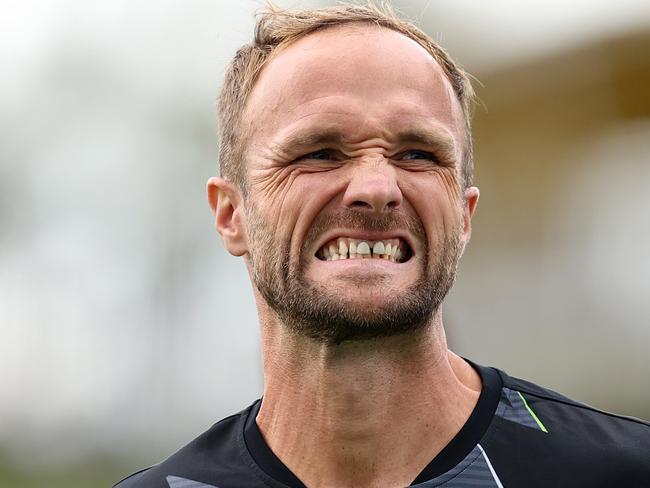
364	220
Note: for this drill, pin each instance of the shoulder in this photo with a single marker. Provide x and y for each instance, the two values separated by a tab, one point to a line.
132	479
214	455
566	409
560	434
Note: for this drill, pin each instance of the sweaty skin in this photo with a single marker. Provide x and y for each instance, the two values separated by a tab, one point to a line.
332	122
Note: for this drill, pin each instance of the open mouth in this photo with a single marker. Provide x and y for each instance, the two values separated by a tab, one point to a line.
394	250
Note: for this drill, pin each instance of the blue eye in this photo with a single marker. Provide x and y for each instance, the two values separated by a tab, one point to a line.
415	155
322	154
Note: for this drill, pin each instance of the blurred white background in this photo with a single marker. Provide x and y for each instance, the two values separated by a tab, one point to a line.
126	328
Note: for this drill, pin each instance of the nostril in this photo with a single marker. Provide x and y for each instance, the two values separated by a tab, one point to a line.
360	203
390	206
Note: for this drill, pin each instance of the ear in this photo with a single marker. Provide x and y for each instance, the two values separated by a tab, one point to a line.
471	199
226	202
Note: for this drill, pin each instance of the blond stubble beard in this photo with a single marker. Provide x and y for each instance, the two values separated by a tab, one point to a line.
310	310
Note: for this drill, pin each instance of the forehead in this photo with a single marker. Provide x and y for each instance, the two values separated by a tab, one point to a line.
358	78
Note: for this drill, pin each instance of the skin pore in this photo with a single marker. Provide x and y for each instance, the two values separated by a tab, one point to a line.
355	133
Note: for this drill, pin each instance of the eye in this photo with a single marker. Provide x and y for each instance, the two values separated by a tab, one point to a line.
415	155
321	154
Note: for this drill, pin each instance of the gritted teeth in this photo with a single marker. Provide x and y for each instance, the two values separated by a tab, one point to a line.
394	250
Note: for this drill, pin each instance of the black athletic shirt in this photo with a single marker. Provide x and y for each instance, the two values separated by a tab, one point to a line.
518	435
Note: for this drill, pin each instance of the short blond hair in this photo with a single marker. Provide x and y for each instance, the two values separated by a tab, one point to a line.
275	29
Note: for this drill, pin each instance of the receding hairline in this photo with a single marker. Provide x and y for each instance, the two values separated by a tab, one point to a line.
278	28
357	26
354	25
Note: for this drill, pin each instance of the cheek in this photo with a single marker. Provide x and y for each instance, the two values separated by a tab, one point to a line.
274	193
289	199
437	199
448	179
313	195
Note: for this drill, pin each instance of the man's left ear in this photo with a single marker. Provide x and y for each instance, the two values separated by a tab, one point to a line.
226	202
471	199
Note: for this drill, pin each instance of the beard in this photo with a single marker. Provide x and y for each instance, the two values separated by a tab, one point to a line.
310	309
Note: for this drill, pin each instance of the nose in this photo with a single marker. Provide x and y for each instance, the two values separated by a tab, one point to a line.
373	186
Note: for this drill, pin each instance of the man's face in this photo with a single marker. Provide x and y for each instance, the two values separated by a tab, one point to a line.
356	144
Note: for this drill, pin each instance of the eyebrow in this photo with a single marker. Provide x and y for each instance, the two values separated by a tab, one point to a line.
437	140
302	141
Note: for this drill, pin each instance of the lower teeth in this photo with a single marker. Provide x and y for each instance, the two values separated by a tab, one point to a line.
338	257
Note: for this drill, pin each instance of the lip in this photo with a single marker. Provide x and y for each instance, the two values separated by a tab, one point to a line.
366	236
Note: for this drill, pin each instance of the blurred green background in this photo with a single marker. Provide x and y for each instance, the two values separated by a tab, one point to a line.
126	328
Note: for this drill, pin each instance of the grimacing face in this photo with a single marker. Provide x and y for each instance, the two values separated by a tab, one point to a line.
355	218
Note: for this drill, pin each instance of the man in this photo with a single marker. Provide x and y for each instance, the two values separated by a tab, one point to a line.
346	186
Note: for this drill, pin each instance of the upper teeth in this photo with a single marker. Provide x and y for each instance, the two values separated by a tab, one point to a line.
348	248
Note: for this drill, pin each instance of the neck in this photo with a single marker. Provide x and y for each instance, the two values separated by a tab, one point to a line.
330	412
